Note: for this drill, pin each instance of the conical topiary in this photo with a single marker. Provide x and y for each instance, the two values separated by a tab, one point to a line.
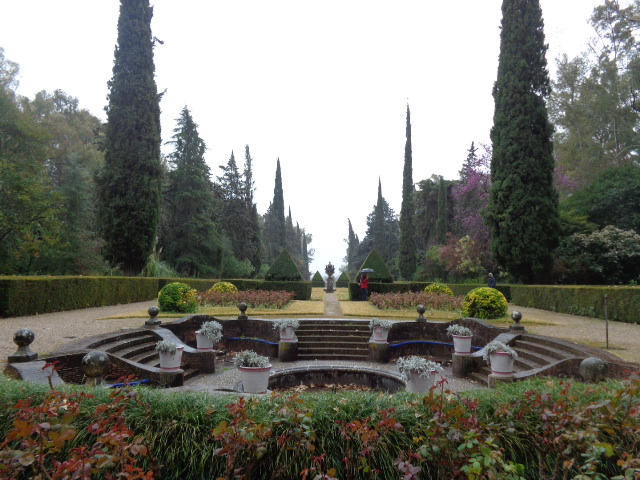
284	269
343	280
317	280
381	273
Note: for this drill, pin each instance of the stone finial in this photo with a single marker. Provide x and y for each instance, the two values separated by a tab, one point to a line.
94	366
23	338
153	316
420	309
594	369
516	317
242	306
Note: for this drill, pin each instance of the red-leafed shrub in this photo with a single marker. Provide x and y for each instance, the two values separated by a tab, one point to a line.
253	298
431	301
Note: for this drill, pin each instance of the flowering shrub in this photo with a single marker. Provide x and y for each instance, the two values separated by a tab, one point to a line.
438	288
253	298
401	301
485	302
178	297
223	287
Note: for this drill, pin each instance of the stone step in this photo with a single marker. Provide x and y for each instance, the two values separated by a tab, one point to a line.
544	348
123	338
331	338
149	358
332	356
534	358
132	349
319	349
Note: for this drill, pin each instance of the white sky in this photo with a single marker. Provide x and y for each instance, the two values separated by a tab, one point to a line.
323	86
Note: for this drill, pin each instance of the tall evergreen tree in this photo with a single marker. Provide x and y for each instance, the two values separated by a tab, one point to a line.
407	254
130	183
352	247
191	241
523	204
379	233
275	228
442	224
253	242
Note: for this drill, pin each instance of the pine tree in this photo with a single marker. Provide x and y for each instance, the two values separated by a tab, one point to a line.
407	254
275	228
191	241
130	184
523	204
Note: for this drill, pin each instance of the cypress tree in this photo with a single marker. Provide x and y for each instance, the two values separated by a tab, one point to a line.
130	183
191	242
352	247
379	231
275	227
443	213
523	204
407	253
253	241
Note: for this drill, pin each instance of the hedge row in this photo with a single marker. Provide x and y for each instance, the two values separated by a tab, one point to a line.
402	287
623	303
33	295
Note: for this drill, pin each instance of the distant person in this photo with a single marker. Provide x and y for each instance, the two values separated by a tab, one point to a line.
364	286
492	281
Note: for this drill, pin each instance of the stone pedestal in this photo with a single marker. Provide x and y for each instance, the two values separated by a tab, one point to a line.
495	380
288	351
461	365
207	361
517	328
23	338
378	352
153	317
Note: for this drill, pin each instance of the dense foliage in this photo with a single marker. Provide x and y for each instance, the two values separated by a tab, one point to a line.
177	297
537	429
485	302
130	183
523	203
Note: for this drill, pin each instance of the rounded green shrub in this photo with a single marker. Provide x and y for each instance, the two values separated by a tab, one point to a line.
439	288
178	297
485	302
223	287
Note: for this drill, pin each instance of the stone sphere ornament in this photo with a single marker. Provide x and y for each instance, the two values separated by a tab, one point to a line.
23	337
516	317
95	364
153	312
421	309
594	369
242	306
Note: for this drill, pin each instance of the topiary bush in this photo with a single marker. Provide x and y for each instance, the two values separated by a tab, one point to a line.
178	297
381	272
223	287
439	288
343	280
317	280
284	269
485	302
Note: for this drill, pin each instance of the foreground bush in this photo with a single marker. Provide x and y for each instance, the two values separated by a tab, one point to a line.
178	297
534	430
253	298
401	301
485	302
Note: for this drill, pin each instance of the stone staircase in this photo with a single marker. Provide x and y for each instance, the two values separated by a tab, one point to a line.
333	340
138	347
535	354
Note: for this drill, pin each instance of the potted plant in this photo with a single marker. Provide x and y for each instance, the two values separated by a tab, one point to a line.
210	332
462	337
380	329
287	327
170	354
254	371
418	373
501	357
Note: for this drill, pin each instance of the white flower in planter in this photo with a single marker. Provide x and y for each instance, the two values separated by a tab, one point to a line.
419	365
249	358
376	322
166	346
212	330
286	322
460	330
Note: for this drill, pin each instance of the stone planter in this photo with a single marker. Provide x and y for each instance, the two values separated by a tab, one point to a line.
287	334
255	379
418	384
501	364
462	344
379	335
203	343
170	362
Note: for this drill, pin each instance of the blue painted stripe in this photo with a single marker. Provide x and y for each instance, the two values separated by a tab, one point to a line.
425	342
253	340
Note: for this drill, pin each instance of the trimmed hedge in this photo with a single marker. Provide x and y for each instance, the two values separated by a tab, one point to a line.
380	272
301	289
33	295
623	302
343	280
284	269
317	280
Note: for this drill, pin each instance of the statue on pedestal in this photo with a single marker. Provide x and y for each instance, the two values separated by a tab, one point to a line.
329	270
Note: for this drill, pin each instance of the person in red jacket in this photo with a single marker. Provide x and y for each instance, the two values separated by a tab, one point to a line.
364	286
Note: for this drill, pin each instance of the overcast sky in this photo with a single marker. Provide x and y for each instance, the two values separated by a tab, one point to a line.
323	86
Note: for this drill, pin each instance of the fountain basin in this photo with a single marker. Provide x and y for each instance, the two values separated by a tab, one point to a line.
381	380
